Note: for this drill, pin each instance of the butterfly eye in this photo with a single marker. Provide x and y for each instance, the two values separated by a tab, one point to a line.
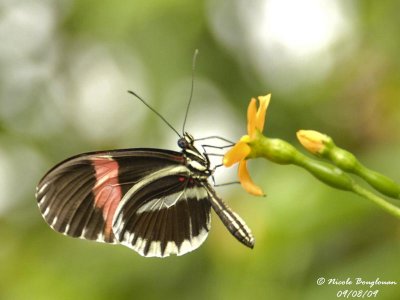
182	143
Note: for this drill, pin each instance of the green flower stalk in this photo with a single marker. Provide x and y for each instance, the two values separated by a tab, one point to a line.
255	144
323	146
281	152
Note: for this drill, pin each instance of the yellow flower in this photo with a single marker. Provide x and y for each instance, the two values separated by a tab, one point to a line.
239	152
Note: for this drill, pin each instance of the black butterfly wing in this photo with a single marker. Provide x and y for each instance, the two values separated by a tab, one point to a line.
67	200
167	213
83	195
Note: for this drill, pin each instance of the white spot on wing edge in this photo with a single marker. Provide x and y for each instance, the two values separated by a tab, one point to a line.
46	212
39	191
100	237
194	243
82	236
155	249
171	248
54	222
140	245
66	229
41	201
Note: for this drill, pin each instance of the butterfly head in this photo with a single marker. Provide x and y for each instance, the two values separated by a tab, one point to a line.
186	142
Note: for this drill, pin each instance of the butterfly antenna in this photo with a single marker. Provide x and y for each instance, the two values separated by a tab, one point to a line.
196	52
154	111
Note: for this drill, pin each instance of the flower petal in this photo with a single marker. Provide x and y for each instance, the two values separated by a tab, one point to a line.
251	117
236	154
262	109
246	182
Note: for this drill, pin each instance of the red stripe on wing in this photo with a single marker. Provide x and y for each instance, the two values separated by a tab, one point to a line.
107	190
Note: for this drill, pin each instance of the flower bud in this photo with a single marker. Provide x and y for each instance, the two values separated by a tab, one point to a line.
314	141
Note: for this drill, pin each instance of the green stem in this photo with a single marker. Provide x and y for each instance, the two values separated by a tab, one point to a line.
349	163
281	152
390	208
325	172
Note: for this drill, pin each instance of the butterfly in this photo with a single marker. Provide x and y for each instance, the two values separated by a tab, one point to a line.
155	201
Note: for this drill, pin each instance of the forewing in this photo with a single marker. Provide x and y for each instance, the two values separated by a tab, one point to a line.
79	196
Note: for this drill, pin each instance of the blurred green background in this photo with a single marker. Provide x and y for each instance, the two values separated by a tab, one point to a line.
333	66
